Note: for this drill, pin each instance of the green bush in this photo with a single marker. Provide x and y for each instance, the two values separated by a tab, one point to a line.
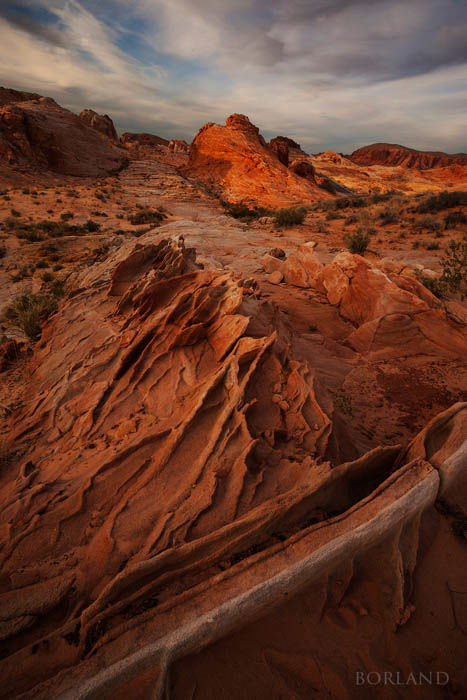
454	218
242	211
454	266
293	216
146	216
388	216
442	200
29	311
427	222
357	242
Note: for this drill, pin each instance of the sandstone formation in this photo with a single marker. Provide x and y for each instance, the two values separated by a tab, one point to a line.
38	135
393	154
100	122
142	140
178	146
385	301
235	162
8	96
188	512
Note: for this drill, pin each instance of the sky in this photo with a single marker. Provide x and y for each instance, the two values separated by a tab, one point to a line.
331	74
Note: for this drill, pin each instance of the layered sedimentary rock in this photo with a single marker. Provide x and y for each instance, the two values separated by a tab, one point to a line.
175	505
390	308
38	134
235	162
178	146
99	122
393	154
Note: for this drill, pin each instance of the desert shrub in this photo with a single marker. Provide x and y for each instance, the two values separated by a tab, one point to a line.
442	200
47	277
432	245
29	311
146	216
454	266
92	226
434	285
343	403
454	218
42	264
241	211
352	219
293	216
330	215
57	287
357	242
16	213
66	215
428	222
388	216
321	227
40	230
2	251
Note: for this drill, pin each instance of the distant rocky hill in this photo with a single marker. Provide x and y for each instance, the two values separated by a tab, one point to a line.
133	140
393	154
36	134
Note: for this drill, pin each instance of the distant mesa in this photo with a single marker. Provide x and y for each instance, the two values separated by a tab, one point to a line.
235	162
100	122
36	134
393	154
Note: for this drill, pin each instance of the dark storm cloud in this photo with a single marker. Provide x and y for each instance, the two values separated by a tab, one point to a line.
333	74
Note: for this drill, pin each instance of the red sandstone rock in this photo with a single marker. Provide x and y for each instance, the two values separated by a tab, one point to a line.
100	122
178	146
38	134
186	505
235	162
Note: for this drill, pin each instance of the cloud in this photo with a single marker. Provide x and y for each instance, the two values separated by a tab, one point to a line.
333	74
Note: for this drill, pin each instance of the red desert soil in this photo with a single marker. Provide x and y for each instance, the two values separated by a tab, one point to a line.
233	463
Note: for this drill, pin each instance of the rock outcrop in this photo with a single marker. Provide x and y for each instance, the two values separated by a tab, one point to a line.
142	140
393	154
386	302
175	505
235	162
100	122
38	135
178	146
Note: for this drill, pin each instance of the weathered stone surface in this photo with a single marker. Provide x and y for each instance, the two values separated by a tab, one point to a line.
235	161
39	134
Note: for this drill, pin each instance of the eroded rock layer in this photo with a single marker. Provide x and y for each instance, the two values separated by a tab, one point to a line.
175	502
